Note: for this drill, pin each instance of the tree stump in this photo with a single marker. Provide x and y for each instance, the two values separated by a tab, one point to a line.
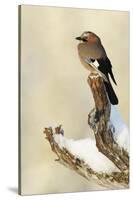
100	125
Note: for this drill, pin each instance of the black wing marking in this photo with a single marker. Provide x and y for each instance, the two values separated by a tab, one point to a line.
106	67
92	60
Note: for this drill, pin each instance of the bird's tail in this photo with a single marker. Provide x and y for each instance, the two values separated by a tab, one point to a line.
112	76
111	93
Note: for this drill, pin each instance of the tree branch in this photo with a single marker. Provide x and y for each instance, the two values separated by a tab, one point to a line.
99	121
112	180
100	125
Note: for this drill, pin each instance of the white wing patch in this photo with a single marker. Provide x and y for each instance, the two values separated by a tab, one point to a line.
96	63
88	61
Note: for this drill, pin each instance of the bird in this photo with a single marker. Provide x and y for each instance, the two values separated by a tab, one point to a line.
90	49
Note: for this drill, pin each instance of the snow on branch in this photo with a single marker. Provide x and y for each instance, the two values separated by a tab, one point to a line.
104	159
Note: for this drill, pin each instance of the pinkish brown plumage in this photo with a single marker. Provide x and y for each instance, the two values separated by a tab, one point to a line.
90	49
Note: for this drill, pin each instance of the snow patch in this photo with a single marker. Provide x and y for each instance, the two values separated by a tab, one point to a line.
121	134
86	150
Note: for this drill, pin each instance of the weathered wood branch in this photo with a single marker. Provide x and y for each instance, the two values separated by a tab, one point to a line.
112	180
99	121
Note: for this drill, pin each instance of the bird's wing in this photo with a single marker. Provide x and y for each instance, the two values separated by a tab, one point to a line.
106	67
88	61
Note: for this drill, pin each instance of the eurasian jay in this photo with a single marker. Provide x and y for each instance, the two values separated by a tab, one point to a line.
90	49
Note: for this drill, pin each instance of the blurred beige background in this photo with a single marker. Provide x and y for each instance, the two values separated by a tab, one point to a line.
54	89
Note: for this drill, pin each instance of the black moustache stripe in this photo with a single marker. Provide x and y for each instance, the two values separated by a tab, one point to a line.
84	40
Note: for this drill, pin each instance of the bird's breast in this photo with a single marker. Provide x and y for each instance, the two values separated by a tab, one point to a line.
89	51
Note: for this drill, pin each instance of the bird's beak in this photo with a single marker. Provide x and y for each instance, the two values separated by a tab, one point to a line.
78	38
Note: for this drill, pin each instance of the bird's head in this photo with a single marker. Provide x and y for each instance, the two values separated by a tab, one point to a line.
88	37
